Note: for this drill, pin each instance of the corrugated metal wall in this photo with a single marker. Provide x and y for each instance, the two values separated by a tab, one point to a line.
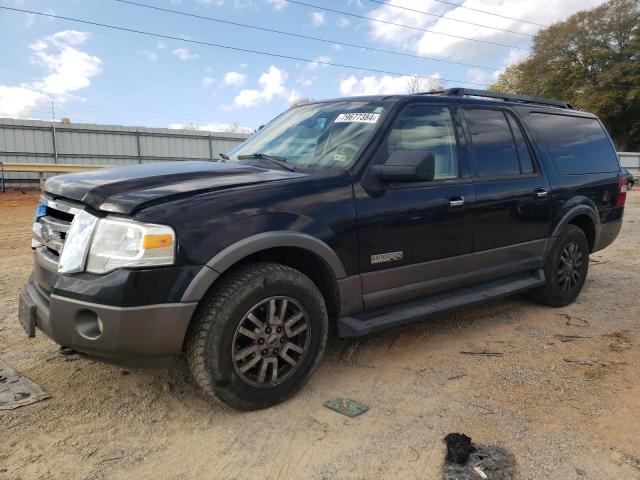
630	161
33	141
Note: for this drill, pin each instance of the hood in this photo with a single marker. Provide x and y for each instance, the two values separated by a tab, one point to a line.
126	190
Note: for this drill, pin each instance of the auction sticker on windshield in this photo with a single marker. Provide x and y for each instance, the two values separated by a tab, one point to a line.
357	117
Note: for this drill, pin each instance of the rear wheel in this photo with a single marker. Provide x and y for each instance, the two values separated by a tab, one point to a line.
258	337
566	269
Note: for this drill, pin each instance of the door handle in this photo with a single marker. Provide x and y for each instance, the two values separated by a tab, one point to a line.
541	193
456	202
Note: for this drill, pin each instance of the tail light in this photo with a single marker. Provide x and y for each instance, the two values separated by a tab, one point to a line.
623	183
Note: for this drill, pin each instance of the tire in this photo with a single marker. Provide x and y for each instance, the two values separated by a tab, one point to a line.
571	247
227	325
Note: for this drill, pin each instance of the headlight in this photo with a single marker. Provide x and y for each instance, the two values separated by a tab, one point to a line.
124	243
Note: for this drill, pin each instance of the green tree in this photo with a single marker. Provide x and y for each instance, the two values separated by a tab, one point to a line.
592	61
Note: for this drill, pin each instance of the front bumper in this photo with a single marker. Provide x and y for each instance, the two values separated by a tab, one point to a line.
133	335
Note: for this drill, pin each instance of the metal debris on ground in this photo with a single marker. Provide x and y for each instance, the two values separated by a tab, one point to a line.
114	455
346	406
568	338
16	390
581	361
466	460
573	321
488	354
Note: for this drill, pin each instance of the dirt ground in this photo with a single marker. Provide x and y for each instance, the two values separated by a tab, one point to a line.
565	409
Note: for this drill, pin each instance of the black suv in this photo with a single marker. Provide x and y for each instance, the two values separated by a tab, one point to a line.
358	213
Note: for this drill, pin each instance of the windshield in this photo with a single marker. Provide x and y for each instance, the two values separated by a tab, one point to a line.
320	135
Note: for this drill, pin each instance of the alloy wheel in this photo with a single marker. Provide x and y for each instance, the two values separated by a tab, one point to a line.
271	341
570	267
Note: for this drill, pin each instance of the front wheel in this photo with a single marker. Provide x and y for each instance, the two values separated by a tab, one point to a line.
566	269
258	337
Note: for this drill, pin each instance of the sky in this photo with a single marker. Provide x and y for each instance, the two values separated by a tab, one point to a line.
93	74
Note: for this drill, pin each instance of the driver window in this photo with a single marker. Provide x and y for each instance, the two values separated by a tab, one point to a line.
429	129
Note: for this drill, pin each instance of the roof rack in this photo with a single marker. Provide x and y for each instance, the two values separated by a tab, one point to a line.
509	97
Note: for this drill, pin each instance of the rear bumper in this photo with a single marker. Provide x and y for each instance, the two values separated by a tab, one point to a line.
606	233
137	335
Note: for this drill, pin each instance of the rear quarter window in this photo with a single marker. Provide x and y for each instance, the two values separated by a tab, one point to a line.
576	145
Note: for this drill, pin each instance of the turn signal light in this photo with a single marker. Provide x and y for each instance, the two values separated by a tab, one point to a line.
157	241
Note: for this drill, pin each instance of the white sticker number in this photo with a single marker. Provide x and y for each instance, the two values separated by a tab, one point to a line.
357	117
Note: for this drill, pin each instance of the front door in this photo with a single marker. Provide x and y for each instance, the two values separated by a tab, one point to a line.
408	231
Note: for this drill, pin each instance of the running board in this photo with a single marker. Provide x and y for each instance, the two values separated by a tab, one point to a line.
414	310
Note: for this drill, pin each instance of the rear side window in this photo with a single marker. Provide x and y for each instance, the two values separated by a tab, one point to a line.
576	145
493	142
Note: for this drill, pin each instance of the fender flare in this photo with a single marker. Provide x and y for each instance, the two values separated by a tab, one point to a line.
253	244
573	213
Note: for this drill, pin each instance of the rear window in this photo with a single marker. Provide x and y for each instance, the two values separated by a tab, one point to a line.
576	145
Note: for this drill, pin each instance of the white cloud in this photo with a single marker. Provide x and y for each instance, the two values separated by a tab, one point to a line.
343	22
272	84
71	70
208	81
68	69
151	56
19	101
317	18
217	3
184	54
478	75
305	81
543	12
384	85
293	96
336	46
161	45
320	61
234	78
277	4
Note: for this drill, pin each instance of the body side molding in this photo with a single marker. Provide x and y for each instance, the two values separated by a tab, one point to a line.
253	244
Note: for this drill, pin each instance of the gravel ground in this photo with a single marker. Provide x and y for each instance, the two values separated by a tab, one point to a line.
565	410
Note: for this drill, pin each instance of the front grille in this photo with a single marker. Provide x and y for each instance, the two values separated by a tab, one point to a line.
51	229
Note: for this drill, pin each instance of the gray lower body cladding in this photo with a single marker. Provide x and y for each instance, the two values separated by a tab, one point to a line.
144	335
606	233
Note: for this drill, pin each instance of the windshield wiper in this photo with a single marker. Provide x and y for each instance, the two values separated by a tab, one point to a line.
272	158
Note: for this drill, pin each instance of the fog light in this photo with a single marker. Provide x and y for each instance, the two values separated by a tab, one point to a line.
88	324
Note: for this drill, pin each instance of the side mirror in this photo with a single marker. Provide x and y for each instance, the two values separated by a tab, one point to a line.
407	166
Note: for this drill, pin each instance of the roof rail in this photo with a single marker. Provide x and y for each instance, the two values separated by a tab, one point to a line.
461	92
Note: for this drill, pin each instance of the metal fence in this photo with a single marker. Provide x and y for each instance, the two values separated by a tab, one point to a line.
630	161
34	141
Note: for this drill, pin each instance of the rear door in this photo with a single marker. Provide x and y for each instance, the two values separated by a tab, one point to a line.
512	205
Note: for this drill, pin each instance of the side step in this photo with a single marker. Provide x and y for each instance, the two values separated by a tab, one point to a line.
414	310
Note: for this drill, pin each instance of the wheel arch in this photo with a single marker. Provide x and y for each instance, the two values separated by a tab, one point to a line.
303	252
585	218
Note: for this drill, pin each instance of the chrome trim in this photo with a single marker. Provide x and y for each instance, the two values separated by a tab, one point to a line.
55	224
457	202
47	257
54	244
57	205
